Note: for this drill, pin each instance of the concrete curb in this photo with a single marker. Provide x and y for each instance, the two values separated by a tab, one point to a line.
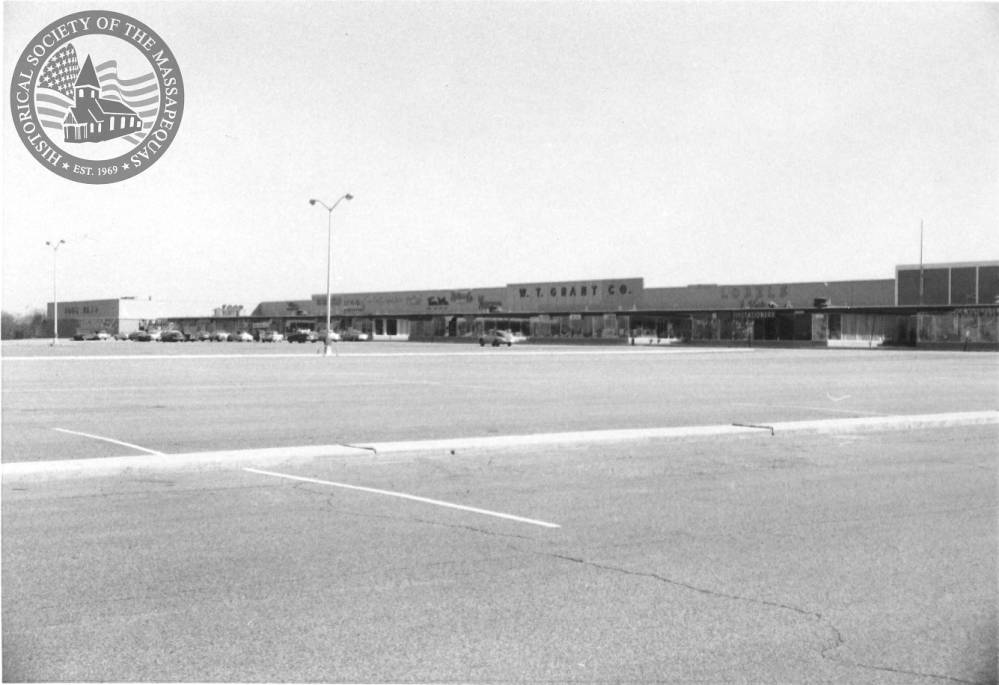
231	459
545	351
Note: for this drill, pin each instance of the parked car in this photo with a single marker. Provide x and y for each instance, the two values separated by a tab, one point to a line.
271	336
302	335
242	336
89	335
496	338
200	336
220	336
172	336
353	334
140	336
121	336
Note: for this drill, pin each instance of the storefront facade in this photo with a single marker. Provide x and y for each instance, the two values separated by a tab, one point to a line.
865	313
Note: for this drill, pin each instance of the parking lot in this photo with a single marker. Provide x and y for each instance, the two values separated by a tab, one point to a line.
406	512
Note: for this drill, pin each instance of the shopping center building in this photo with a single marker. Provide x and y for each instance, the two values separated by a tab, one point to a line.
930	305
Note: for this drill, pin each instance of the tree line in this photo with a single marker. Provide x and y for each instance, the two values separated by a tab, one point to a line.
30	325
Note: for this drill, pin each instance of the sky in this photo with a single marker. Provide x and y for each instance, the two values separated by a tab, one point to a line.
493	143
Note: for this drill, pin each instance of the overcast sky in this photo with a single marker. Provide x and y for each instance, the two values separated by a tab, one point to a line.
489	144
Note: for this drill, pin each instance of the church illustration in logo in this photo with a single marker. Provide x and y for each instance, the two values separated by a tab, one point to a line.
92	118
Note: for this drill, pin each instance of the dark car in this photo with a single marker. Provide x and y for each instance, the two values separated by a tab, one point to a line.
140	336
303	335
172	336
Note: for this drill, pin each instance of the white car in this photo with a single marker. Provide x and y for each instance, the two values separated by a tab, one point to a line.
242	336
353	334
271	336
496	338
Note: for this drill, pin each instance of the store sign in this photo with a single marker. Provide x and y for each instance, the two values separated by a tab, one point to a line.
770	314
440	302
753	295
574	295
228	310
81	310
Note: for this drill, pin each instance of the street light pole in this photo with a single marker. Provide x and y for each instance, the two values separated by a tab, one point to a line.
55	300
329	265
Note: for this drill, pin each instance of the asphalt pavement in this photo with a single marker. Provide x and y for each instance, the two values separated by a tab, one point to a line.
192	397
844	556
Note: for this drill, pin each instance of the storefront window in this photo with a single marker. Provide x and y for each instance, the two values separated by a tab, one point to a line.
963	325
820	327
704	327
835	322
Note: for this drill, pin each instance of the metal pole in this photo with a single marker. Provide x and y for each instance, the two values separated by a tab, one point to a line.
55	299
328	342
920	262
329	280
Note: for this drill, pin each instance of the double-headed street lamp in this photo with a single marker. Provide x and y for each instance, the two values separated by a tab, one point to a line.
329	264
55	300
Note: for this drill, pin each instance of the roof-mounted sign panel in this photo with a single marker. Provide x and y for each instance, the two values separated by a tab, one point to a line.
569	296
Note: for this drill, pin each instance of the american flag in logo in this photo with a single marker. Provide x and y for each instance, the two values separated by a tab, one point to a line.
60	71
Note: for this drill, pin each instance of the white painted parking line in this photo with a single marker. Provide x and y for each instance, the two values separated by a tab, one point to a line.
112	440
415	498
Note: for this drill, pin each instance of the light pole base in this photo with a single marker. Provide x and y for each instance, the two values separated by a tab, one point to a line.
328	351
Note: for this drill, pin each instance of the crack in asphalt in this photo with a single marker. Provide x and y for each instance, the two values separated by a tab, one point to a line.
838	639
837	636
901	671
688	586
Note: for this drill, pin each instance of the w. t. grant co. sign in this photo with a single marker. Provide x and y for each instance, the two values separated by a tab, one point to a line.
575	296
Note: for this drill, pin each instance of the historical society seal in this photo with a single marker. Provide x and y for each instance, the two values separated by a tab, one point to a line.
97	97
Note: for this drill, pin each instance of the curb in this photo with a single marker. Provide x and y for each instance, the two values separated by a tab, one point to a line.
231	459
